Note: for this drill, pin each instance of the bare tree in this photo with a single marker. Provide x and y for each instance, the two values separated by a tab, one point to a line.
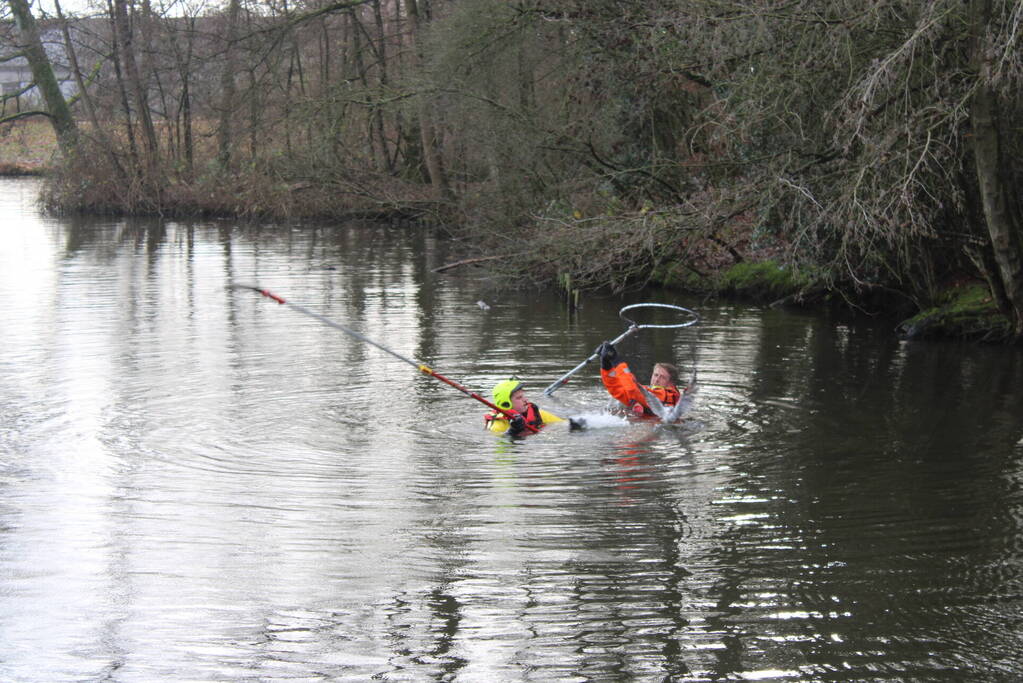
137	88
228	89
428	128
57	108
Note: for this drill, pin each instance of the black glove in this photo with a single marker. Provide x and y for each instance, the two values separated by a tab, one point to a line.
608	355
517	425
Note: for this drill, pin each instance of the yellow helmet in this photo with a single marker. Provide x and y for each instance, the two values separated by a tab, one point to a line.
502	392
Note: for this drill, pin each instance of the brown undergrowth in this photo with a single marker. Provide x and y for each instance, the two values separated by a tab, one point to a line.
27	147
99	182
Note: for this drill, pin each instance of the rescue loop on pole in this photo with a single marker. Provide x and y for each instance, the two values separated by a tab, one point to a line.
692	315
691	319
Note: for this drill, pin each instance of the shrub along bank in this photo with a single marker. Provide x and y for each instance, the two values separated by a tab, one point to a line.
964	310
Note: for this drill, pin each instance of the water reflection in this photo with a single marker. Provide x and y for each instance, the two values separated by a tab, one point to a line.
197	484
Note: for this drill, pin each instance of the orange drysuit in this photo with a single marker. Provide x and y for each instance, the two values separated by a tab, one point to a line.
622	384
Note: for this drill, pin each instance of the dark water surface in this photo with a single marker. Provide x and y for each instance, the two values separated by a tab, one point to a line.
197	484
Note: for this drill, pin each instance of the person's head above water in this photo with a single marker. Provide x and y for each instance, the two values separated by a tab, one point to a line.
664	375
509	395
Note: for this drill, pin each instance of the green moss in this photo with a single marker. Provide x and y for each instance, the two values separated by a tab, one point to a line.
763	281
766	281
965	311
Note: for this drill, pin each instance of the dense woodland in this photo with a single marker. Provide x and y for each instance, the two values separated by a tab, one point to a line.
865	148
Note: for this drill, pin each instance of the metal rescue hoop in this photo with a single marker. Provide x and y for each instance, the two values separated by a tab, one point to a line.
693	314
633	327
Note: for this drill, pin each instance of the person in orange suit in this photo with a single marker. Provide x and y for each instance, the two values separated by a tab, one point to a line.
623	385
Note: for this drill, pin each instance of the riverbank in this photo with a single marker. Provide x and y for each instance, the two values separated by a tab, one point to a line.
964	310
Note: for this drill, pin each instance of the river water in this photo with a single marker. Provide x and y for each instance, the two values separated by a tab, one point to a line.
199	484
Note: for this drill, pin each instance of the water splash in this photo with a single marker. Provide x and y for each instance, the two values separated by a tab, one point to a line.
597	421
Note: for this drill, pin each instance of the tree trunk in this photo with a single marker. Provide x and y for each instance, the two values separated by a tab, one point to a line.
255	109
1003	223
227	86
135	86
184	65
122	91
90	106
427	128
42	73
378	132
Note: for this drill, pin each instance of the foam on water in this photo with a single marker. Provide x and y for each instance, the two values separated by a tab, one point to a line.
598	421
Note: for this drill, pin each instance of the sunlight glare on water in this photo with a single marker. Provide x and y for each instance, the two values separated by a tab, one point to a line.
197	483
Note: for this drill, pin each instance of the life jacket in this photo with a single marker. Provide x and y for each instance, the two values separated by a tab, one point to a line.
532	416
623	385
669	395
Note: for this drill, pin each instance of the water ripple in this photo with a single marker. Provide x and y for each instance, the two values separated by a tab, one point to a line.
199	484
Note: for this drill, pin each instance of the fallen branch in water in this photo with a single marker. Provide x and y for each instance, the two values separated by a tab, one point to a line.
469	262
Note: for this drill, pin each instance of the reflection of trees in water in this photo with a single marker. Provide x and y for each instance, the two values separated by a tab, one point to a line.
625	582
422	629
873	479
103	238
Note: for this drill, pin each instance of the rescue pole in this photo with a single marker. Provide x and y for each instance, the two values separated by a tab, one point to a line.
561	381
426	370
633	327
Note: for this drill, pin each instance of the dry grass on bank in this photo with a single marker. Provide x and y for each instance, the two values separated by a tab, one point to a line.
272	187
26	147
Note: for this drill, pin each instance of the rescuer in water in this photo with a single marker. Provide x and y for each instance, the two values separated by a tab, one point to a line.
511	397
625	388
